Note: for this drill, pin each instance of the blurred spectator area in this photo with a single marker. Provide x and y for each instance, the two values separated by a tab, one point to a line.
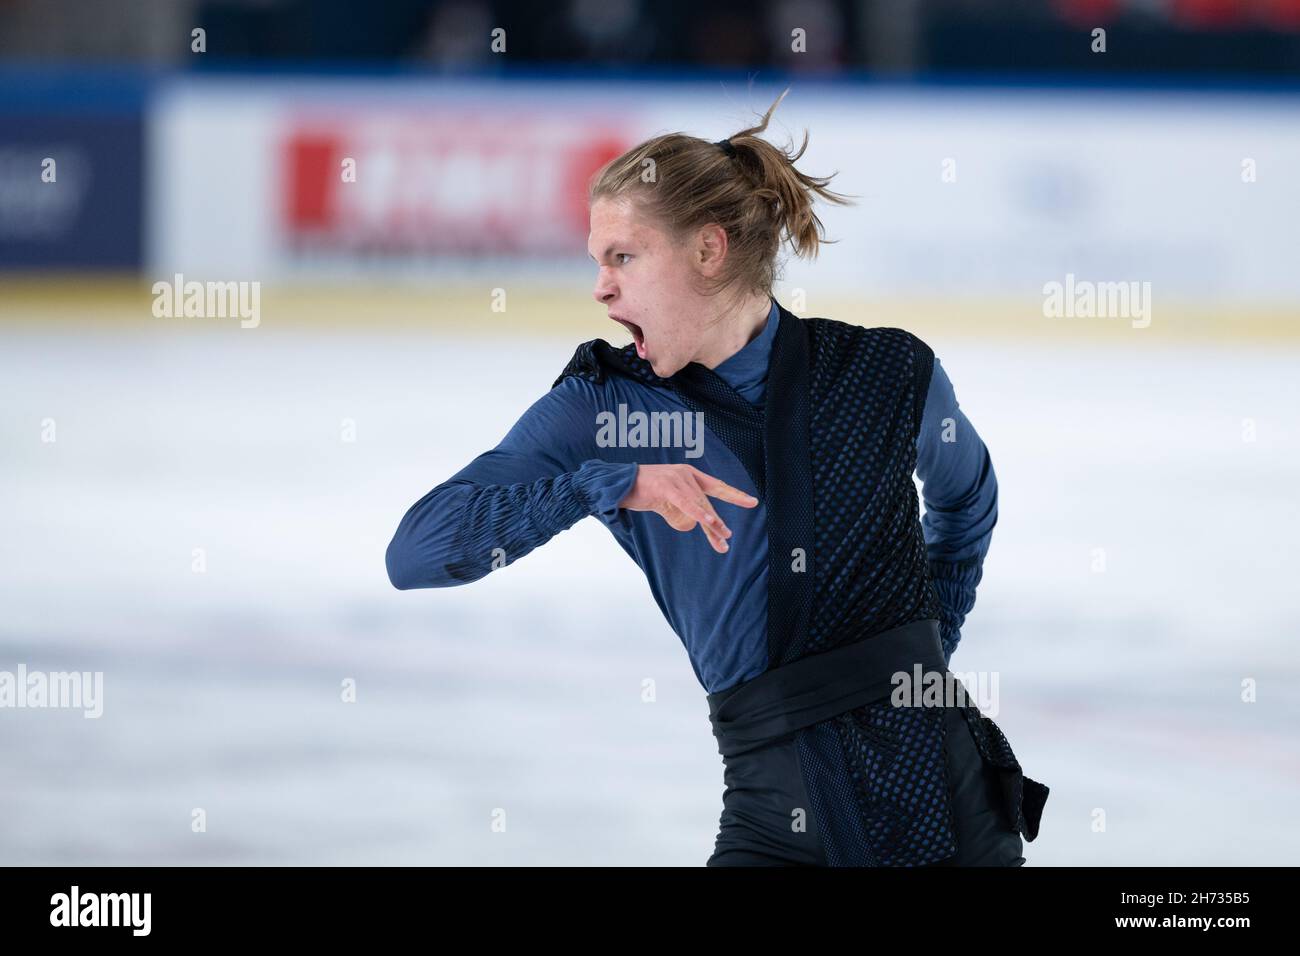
1249	37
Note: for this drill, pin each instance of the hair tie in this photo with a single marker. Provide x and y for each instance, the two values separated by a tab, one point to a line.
726	146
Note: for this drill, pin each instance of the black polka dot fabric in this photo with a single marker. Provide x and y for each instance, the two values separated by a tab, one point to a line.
896	760
871	572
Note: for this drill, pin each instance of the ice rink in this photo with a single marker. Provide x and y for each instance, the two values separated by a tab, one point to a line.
520	697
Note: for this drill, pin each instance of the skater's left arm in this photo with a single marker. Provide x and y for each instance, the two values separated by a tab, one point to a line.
960	491
545	475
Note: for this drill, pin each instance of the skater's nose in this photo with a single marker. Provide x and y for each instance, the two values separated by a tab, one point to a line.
604	291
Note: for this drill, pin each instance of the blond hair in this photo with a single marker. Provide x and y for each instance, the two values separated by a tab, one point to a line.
753	191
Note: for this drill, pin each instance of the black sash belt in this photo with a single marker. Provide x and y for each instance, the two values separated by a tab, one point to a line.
812	689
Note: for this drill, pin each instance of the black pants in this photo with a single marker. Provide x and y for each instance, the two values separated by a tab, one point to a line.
765	788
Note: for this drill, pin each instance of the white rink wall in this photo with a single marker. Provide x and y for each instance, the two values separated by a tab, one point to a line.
961	192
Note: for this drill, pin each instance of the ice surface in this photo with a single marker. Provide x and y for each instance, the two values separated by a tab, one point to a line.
1120	689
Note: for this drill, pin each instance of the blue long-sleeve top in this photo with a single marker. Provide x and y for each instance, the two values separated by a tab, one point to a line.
551	470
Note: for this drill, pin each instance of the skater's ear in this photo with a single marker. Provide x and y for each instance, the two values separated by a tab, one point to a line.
709	250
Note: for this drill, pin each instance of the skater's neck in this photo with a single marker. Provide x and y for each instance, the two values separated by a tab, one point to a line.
736	327
746	370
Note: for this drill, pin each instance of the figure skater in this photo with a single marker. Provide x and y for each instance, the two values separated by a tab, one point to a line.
812	587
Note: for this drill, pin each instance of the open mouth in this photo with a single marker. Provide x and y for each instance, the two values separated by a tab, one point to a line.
637	335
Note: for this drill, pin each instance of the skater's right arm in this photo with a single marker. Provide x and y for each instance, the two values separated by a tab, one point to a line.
541	479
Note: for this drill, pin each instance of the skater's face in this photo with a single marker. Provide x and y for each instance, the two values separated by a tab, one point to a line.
647	281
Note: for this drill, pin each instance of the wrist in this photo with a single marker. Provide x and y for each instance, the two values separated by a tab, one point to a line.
604	485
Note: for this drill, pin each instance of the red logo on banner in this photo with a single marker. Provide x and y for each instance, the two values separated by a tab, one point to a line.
462	184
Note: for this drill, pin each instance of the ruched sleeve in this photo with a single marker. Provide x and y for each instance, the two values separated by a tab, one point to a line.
960	490
511	499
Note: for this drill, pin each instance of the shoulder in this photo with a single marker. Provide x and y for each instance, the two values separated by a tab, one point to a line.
879	338
850	331
595	361
584	364
597	377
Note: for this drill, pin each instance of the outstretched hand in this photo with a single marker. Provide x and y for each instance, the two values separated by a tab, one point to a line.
680	495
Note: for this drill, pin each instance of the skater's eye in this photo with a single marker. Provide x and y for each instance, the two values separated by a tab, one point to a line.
618	254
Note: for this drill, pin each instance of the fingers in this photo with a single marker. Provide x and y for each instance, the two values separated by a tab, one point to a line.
685	503
720	489
683	515
696	505
717	533
676	518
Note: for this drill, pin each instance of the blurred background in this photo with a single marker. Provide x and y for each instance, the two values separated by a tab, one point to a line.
197	506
